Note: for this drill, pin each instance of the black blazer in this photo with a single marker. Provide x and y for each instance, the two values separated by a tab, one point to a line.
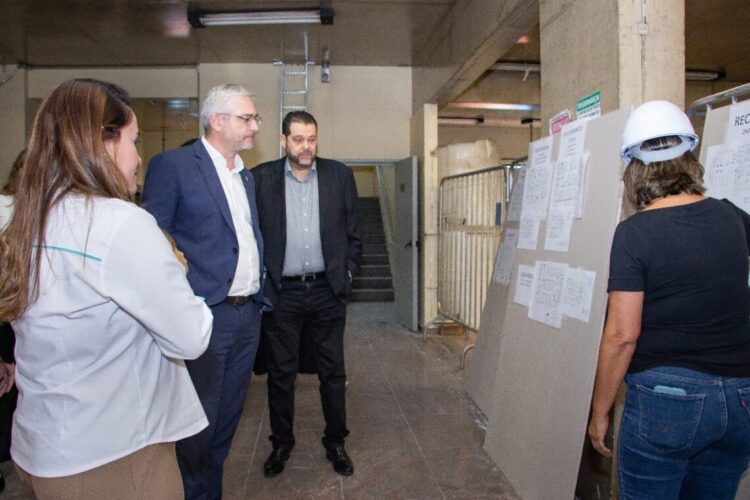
339	224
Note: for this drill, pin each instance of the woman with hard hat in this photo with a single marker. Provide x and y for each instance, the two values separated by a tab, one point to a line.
678	327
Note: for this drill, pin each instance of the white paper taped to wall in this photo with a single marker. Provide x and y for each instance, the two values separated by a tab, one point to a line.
546	293
528	232
541	151
536	191
524	281
728	172
559	226
568	183
738	127
553	290
578	290
572	139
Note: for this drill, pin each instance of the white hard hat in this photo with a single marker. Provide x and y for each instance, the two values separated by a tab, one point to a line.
652	120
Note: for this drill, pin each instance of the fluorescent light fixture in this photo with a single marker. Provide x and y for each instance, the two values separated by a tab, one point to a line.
494	106
700	75
459	120
202	19
517	66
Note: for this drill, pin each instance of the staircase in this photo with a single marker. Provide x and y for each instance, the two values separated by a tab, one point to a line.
373	282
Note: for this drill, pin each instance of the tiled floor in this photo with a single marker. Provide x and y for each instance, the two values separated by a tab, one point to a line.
414	432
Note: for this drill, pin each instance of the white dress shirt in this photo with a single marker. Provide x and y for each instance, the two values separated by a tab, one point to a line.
247	275
99	353
6	210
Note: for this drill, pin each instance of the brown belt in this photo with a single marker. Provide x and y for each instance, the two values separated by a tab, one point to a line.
238	300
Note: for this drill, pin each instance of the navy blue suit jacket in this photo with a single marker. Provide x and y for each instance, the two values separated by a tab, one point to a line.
183	192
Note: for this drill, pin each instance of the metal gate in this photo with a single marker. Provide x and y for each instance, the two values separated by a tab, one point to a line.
472	207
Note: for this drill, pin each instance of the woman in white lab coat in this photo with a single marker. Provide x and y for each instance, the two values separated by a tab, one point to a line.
102	311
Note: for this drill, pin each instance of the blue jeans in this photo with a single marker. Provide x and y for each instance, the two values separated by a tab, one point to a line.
684	434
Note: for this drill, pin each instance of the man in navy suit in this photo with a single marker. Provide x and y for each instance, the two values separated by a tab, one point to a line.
203	196
308	217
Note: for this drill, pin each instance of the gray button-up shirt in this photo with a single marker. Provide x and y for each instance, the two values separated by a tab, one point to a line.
304	251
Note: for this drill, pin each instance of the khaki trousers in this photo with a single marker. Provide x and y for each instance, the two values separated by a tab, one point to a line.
150	473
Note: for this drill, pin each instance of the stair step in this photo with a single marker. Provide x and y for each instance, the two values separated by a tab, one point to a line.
374	248
372	295
374	270
374	259
372	283
373	238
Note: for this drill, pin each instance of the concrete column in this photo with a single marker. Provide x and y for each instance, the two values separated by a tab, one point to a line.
630	50
424	142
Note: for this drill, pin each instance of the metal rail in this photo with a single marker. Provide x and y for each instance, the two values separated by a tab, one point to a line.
707	102
472	206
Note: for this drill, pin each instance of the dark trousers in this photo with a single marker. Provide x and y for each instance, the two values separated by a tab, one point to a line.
310	309
221	376
7	401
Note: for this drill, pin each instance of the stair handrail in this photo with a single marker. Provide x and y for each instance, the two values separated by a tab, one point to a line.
384	209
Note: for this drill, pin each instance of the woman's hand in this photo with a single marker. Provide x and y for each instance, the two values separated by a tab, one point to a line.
7	377
597	432
177	252
181	257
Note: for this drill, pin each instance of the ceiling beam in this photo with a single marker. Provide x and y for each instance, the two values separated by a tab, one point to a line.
469	39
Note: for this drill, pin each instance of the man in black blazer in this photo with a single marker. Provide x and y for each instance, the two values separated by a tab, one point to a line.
308	218
202	195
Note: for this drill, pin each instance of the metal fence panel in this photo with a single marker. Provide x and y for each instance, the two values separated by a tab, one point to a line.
472	207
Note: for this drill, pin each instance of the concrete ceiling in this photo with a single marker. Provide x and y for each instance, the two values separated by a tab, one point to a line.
156	32
47	33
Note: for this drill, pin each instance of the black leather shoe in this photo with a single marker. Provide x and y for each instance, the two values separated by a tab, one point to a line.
341	461
275	462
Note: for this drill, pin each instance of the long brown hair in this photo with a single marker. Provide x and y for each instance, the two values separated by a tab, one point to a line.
66	154
15	171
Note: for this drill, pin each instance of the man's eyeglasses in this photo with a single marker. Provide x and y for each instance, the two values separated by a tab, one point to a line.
246	118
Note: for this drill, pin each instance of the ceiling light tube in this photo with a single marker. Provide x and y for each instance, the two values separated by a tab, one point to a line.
516	66
700	75
459	120
202	19
495	106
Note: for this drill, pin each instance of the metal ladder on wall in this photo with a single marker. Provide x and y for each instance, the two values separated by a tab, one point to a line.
294	78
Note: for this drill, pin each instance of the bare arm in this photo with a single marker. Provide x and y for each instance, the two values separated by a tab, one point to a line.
615	352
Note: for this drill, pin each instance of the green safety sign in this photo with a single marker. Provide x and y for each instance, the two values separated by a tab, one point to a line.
589	106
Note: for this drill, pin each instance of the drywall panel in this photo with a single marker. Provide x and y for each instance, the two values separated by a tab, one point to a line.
545	376
714	132
482	370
